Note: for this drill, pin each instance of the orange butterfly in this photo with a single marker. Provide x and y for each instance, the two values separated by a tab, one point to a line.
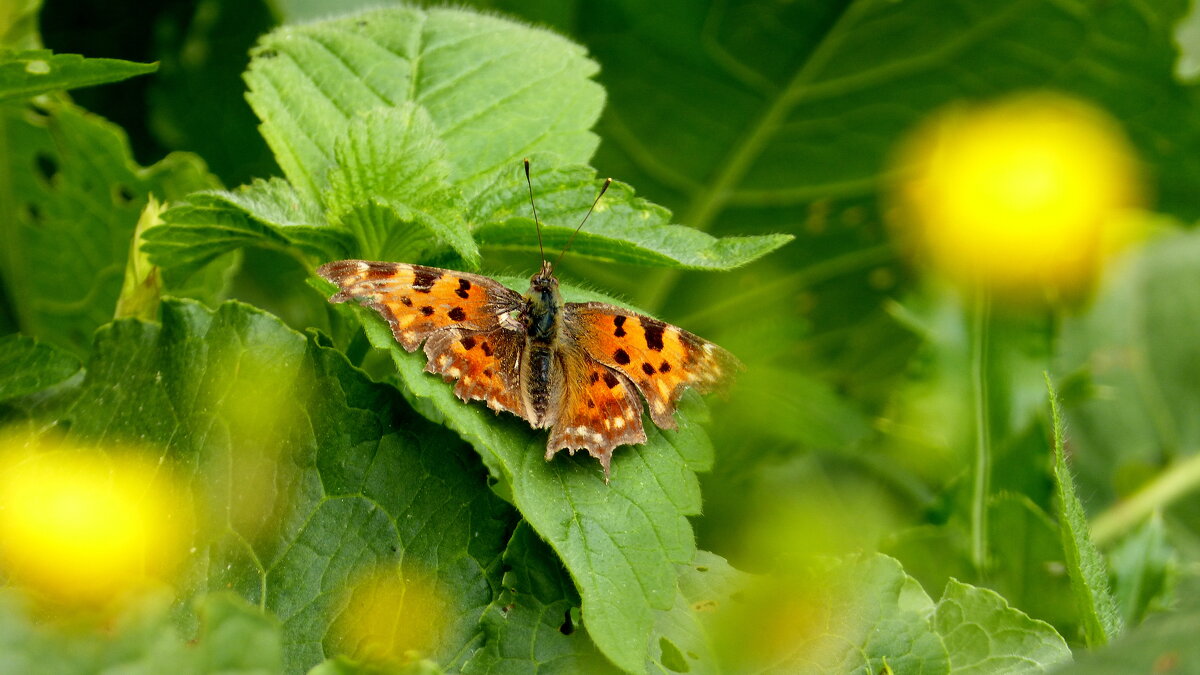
574	367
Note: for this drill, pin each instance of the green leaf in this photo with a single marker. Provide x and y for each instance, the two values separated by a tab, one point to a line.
1144	570
623	228
1131	394
311	476
620	541
28	366
28	73
533	625
707	586
1089	576
1164	644
268	214
231	637
18	25
856	614
390	187
984	635
75	196
479	78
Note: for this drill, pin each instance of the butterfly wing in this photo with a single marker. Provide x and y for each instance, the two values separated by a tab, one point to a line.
465	320
661	360
600	411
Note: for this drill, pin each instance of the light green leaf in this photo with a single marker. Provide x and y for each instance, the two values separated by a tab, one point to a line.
1144	570
74	195
1089	575
310	475
984	636
1164	644
620	541
28	366
28	73
267	214
390	187
623	228
231	637
494	90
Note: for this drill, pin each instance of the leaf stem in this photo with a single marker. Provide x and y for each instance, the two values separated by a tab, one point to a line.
982	471
1180	479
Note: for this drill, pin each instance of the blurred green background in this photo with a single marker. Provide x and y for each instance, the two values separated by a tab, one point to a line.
851	426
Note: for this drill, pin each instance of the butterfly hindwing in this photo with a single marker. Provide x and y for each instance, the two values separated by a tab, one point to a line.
486	365
418	300
660	359
601	410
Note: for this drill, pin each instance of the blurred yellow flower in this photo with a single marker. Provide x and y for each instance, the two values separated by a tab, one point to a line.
81	527
390	620
1026	196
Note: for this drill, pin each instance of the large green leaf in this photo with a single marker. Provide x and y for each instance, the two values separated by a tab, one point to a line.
231	637
494	90
983	635
310	475
29	73
621	540
623	228
71	195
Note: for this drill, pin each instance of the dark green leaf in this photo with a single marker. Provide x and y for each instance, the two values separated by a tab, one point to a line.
74	196
1144	569
534	625
1089	576
311	475
28	73
28	366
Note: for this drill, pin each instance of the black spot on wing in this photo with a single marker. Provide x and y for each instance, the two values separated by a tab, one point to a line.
404	300
595	377
619	322
424	277
463	287
427	310
487	349
647	369
654	332
611	380
457	314
468	342
665	367
621	357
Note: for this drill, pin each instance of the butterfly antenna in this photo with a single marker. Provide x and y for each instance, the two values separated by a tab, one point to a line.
603	189
536	223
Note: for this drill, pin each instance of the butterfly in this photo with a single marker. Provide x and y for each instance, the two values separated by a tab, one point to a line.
580	369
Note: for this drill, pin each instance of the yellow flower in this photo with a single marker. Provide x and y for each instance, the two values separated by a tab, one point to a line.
81	527
1026	196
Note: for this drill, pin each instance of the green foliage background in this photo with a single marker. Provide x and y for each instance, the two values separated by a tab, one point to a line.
749	142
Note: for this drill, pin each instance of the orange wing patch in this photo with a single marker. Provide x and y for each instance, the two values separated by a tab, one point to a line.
418	300
660	359
601	411
486	366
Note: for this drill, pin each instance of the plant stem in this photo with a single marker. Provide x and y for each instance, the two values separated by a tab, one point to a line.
982	473
1181	478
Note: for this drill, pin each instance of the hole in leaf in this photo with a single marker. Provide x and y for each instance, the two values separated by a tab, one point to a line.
122	195
46	166
568	626
267	54
672	658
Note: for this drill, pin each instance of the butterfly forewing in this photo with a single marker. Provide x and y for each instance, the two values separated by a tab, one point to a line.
418	301
660	359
